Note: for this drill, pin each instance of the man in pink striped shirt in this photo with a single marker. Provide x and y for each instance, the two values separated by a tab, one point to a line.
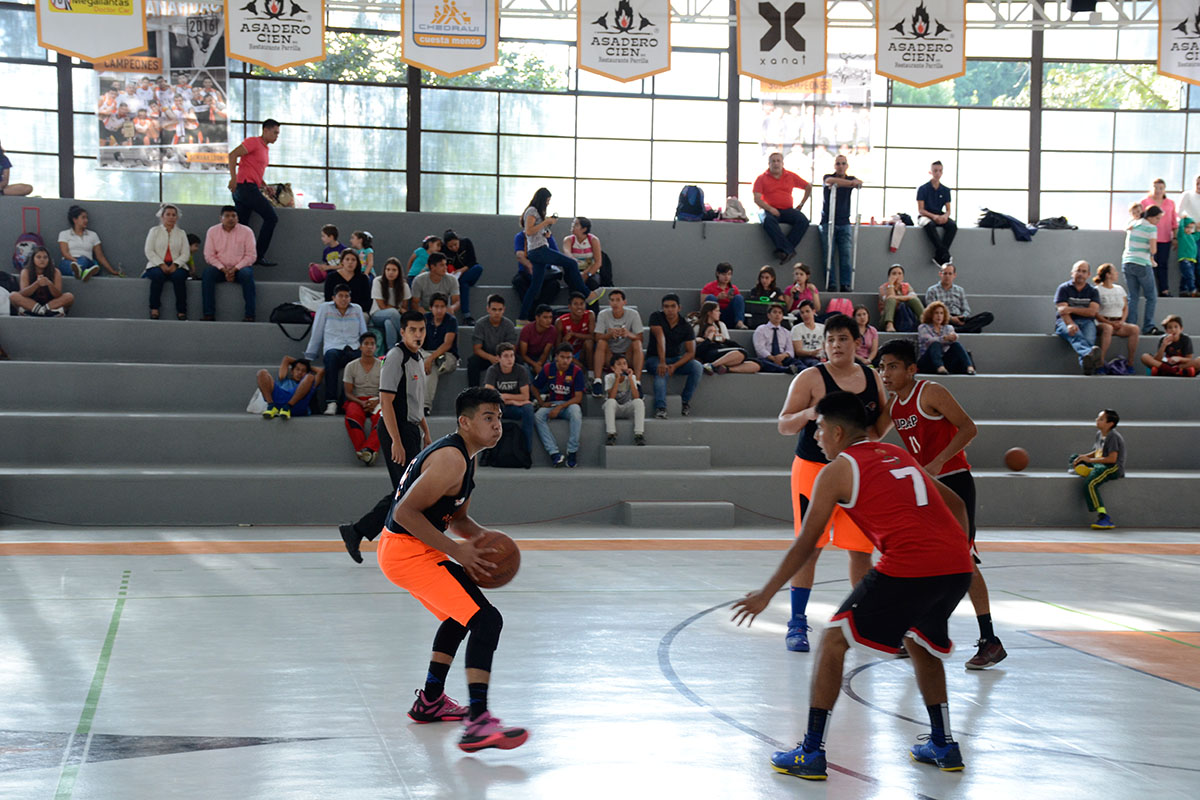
229	251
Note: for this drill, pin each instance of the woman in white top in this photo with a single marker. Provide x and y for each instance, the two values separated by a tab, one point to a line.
714	350
1114	309
584	247
535	225
389	296
80	248
167	255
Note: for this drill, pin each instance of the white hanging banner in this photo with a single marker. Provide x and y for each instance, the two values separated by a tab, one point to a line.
451	37
920	42
781	41
1179	40
275	34
624	39
92	29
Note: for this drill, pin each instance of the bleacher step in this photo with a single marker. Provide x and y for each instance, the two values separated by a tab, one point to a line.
658	457
706	515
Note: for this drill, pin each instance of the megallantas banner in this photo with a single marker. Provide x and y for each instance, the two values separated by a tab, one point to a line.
451	37
275	34
624	39
781	41
920	42
92	29
1179	39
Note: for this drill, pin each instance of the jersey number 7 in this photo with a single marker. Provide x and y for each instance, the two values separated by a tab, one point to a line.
918	482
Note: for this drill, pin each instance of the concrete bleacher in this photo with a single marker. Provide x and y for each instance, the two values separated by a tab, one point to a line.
111	418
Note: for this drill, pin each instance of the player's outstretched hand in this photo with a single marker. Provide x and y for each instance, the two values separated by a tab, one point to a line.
472	558
749	607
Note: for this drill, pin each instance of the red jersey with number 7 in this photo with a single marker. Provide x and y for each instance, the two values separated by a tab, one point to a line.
925	436
894	502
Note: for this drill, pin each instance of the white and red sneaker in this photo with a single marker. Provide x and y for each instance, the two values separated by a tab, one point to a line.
443	709
486	731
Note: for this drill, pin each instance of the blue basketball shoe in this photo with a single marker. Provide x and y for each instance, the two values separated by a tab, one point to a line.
945	757
801	763
797	634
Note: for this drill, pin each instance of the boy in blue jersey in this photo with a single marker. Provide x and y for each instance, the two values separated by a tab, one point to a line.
561	385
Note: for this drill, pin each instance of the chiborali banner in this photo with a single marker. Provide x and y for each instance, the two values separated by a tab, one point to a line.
92	29
781	41
451	37
920	42
624	39
275	34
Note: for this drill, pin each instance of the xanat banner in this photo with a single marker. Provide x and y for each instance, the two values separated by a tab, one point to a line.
451	37
92	29
624	39
781	41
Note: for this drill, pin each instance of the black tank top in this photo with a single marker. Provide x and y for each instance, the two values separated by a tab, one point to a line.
440	513
807	447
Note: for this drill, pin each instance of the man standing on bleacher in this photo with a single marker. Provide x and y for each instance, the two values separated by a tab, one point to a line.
247	167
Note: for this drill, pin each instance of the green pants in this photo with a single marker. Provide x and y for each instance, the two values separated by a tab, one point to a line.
1091	485
889	309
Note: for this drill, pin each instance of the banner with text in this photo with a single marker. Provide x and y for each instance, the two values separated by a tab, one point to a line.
451	37
1179	40
166	109
920	42
275	34
92	29
624	39
781	41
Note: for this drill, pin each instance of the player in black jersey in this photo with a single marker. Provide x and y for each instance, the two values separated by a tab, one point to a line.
416	554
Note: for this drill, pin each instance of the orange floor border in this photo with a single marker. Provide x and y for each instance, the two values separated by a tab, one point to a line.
203	547
1164	654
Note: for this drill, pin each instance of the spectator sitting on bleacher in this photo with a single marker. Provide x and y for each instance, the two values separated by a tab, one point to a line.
763	295
623	399
672	349
561	385
725	294
361	379
6	188
1078	303
808	337
583	246
1114	310
166	246
955	299
420	256
349	274
773	344
362	242
463	265
801	289
896	290
868	343
331	256
292	392
41	293
335	333
1174	356
434	280
937	344
618	330
486	336
524	276
389	299
80	248
714	349
229	250
441	346
513	383
194	246
538	339
578	328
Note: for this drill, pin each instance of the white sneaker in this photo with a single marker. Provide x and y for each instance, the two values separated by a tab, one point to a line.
331	408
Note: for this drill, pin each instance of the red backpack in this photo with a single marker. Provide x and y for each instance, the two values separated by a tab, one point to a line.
29	240
840	305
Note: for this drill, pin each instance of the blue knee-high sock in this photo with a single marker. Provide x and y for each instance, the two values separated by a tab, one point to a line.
799	601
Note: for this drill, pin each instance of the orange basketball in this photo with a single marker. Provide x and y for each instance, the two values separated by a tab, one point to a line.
507	559
1016	459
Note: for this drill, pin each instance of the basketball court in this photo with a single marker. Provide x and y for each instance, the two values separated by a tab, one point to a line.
252	662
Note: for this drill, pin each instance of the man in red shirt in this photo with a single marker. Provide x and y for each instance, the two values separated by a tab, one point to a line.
247	184
917	524
773	194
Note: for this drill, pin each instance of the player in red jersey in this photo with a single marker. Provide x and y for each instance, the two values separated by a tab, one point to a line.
917	524
934	428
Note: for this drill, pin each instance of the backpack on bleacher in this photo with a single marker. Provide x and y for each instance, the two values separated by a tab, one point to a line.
28	241
690	207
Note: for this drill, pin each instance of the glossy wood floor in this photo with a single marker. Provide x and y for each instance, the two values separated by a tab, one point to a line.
260	663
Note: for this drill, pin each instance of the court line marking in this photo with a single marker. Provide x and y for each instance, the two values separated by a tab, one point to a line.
1100	618
77	746
1117	663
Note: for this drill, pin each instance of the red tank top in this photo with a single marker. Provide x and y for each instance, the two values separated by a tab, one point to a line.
895	503
925	436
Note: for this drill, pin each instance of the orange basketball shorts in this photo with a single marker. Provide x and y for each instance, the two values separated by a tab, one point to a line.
440	584
840	529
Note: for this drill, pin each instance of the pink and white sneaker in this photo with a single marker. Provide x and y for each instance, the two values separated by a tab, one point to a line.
486	731
444	709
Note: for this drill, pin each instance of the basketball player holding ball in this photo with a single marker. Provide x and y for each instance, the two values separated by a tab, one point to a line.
934	428
416	554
